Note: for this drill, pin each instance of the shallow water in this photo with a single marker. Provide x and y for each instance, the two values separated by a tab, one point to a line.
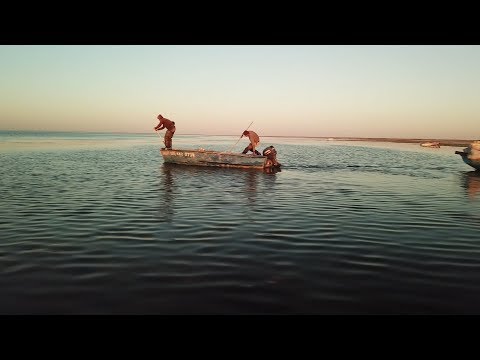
97	224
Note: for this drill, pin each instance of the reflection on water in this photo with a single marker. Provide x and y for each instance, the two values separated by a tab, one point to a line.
471	183
272	170
340	230
167	192
251	182
180	184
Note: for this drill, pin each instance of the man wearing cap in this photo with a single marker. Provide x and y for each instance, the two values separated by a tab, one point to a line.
254	141
170	126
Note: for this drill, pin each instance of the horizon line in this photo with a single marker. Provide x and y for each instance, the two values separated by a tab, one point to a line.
279	136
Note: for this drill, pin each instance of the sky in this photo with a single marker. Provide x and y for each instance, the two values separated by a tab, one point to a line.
394	91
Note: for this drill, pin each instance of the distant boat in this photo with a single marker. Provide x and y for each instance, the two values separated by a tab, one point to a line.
203	157
432	144
471	155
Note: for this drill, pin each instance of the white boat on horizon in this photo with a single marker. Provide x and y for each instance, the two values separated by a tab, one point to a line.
432	144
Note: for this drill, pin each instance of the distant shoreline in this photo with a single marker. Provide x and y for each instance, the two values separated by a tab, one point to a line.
443	142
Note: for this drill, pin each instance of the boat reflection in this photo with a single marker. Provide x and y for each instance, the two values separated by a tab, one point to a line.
176	181
166	191
471	183
250	179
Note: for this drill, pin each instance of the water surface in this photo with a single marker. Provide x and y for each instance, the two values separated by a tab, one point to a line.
98	224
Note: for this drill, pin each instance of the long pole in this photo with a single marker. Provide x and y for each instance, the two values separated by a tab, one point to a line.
239	138
158	134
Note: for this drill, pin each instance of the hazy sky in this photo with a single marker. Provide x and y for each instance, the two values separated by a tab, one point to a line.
361	91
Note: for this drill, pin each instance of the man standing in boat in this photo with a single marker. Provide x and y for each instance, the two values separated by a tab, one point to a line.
254	141
170	126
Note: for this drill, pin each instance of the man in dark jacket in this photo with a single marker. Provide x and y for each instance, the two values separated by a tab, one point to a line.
170	126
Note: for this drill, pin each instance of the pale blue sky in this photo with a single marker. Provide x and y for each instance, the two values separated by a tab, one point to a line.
361	91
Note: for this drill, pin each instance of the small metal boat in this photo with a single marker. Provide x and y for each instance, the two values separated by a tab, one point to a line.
203	157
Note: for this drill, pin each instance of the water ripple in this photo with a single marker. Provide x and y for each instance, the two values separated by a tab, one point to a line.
341	229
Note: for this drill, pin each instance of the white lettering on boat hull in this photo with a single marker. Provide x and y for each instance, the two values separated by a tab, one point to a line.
180	153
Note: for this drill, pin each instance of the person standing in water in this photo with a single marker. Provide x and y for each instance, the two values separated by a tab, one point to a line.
170	126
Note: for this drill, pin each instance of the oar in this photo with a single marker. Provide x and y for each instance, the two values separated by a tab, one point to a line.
239	138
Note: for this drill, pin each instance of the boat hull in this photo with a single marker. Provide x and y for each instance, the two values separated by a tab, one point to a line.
213	158
475	163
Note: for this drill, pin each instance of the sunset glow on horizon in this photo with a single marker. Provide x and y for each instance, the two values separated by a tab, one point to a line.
414	91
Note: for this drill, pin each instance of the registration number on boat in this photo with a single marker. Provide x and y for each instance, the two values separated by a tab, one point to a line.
186	154
181	153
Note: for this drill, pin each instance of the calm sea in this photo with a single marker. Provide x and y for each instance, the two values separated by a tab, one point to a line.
98	224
